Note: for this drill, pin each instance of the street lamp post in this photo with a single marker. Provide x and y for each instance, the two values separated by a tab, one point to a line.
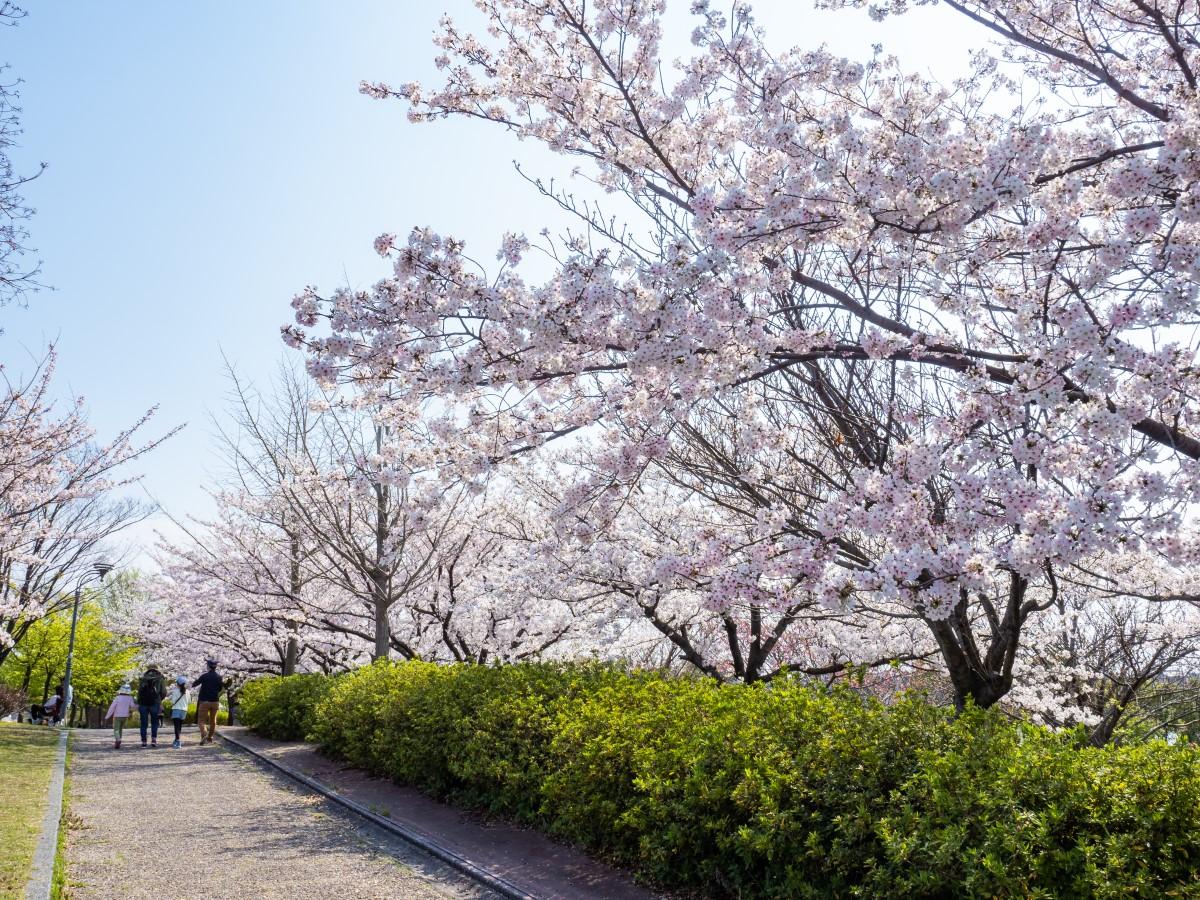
98	570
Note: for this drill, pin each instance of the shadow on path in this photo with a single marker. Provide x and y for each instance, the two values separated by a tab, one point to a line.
522	856
206	822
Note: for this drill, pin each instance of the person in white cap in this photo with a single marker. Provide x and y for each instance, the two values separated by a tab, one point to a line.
119	711
179	708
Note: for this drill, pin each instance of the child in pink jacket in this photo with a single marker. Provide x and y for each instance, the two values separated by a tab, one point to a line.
119	711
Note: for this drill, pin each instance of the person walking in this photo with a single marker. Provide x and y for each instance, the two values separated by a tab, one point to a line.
151	690
119	711
208	701
179	708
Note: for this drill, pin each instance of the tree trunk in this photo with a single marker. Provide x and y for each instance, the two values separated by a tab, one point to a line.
292	651
1103	732
383	634
25	691
380	582
982	677
969	675
293	645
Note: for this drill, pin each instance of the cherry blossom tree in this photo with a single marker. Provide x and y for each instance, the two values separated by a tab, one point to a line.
698	574
981	306
58	508
256	549
186	616
249	558
16	276
1113	651
324	534
495	595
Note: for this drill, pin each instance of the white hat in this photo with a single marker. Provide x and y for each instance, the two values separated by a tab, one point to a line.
125	689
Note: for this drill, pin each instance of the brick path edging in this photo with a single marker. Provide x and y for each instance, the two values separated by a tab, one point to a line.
445	854
41	875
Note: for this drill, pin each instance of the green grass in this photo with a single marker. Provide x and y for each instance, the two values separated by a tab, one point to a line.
58	881
26	761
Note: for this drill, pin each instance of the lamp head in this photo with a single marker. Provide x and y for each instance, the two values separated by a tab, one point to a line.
102	568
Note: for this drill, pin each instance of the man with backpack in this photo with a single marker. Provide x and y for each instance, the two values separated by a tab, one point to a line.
208	701
151	690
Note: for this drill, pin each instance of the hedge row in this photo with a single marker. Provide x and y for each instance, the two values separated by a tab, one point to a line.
282	708
781	791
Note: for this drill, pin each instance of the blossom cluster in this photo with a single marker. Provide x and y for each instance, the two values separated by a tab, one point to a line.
944	339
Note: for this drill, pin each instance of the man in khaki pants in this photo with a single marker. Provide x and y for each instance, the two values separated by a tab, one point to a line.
208	701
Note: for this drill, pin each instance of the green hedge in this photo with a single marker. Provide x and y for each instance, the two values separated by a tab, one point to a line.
282	708
766	791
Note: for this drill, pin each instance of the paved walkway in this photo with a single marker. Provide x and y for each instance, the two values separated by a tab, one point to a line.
208	822
523	857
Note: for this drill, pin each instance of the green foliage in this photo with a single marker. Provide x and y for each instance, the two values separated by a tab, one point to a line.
102	659
279	708
1021	811
776	791
1169	709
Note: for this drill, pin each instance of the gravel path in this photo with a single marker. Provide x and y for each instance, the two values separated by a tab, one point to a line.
204	822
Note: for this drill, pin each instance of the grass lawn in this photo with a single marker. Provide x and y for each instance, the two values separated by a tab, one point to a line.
26	759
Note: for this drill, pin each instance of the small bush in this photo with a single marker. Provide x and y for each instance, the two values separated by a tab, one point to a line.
766	791
12	701
280	708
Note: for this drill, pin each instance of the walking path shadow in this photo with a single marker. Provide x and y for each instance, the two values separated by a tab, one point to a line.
207	822
523	857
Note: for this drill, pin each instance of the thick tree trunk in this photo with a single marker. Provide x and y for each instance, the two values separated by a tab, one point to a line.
292	652
982	677
383	635
1103	732
969	676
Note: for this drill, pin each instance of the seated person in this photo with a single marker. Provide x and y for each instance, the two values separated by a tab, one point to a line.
51	709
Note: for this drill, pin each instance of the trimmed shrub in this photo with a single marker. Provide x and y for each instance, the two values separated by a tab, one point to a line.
479	735
280	708
766	791
770	792
1019	811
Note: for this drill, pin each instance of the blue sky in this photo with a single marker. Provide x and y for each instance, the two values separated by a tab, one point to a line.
207	161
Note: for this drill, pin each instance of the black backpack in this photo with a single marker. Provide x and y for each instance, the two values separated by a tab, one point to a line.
149	689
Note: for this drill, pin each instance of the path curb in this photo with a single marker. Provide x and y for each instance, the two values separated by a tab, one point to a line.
41	877
455	860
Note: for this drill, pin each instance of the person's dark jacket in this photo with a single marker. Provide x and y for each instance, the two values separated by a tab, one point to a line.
210	684
151	688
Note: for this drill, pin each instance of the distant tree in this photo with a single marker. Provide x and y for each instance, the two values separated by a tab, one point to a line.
102	659
57	504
